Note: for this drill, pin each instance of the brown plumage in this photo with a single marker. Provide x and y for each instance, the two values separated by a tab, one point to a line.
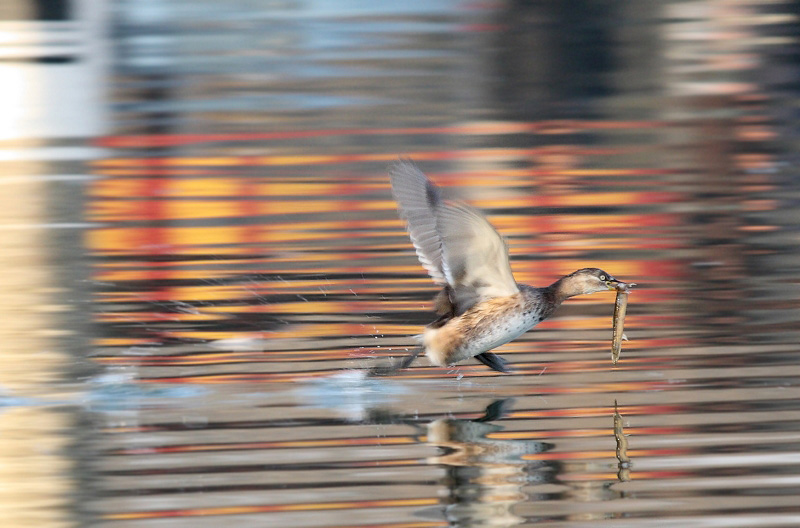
480	306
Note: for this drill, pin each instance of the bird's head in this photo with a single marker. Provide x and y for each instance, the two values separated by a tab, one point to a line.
587	280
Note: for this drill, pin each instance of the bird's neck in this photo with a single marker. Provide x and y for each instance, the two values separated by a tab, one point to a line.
564	288
543	299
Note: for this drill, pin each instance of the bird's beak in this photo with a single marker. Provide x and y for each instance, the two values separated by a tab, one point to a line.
615	285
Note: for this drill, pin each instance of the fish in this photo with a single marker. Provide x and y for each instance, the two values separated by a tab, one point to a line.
620	307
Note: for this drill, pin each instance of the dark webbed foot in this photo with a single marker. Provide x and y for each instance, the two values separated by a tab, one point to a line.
494	362
496	410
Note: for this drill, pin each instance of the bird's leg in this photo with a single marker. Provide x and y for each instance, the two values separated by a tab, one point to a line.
495	362
388	370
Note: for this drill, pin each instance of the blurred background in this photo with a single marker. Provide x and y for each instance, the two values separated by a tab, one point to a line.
200	253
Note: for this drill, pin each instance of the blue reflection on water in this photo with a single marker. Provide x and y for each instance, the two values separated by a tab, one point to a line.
112	392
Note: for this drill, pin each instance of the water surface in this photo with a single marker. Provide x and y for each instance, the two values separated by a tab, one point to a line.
210	289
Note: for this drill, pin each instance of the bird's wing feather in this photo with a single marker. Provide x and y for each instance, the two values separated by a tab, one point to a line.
417	199
454	242
475	257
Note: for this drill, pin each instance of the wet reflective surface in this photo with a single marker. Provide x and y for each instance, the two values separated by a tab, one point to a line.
190	301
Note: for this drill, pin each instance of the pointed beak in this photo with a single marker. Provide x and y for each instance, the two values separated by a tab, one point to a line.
616	285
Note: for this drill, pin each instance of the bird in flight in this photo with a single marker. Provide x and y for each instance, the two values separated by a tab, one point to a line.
480	306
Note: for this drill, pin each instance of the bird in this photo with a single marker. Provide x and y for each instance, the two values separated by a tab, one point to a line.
480	305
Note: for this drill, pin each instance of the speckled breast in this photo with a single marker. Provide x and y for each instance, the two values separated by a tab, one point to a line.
490	324
488	332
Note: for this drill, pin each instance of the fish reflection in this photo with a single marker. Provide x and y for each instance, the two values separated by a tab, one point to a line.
594	482
485	476
493	481
623	460
492	477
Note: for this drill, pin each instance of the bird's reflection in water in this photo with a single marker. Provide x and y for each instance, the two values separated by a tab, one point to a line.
485	476
493	482
488	480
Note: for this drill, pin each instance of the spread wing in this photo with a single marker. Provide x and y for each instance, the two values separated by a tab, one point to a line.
417	199
454	242
475	256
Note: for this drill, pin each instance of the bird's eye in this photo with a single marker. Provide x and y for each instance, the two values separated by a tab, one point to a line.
602	277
